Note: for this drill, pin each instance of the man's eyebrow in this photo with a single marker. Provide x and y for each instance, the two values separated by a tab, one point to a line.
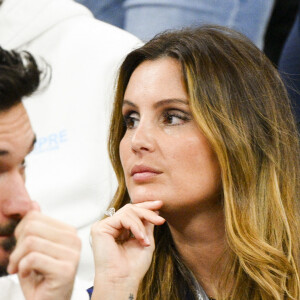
159	103
32	144
5	152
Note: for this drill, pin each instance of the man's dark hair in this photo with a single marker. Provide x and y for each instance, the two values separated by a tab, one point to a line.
19	77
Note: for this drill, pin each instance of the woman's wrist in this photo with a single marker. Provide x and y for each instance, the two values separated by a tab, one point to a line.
114	288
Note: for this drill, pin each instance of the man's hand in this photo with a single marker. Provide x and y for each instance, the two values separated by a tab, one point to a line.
46	257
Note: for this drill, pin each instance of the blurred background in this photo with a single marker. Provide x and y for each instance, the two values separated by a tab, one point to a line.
266	22
273	25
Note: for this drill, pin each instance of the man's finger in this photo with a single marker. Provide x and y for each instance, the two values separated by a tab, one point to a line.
46	265
37	244
35	216
46	231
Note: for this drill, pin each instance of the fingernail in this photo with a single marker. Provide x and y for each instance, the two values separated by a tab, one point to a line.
147	241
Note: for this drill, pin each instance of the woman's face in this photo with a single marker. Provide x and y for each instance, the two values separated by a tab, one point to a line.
163	153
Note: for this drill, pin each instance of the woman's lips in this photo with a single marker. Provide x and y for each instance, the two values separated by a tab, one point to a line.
143	173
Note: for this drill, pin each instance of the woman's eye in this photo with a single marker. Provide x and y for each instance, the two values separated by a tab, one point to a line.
131	120
176	117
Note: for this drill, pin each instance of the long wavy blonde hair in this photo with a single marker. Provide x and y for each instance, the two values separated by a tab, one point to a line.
239	101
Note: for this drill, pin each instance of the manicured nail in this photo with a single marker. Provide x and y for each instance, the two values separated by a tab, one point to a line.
147	241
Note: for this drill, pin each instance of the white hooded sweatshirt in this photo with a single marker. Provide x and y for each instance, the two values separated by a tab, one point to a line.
69	173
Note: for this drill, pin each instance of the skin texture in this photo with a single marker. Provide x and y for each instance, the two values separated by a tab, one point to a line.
120	259
165	157
162	135
16	141
47	251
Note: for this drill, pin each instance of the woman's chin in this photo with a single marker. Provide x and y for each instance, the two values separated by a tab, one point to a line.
136	200
142	194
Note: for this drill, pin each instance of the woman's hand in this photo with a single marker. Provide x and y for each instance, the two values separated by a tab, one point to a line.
45	258
123	246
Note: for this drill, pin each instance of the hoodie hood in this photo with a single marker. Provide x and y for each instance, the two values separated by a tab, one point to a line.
21	21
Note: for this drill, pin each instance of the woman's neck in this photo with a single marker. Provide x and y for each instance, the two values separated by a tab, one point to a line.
200	240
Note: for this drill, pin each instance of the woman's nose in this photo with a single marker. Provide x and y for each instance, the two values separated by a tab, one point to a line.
143	138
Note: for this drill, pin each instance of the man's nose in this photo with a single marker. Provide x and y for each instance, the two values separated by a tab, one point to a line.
143	138
16	202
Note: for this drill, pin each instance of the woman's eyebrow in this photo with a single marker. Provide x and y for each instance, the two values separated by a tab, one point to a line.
170	101
127	102
160	102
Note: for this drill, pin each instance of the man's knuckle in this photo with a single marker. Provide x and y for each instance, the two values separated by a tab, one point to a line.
28	228
31	258
30	242
69	268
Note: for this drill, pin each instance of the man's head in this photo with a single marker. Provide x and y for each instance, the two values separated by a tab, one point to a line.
19	77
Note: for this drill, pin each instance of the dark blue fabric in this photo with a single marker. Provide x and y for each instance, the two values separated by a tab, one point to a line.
90	291
289	66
